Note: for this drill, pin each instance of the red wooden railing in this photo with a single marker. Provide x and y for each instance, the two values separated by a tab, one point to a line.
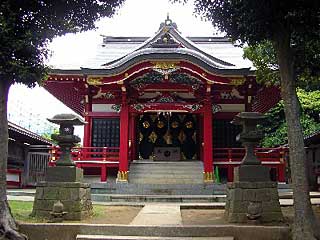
235	155
89	154
231	157
91	157
228	158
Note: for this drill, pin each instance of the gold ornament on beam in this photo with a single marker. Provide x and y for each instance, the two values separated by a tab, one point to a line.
237	81
165	67
95	80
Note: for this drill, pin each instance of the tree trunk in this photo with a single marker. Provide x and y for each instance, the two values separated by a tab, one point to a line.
8	229
305	224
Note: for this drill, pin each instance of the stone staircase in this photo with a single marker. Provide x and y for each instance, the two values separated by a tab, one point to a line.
171	173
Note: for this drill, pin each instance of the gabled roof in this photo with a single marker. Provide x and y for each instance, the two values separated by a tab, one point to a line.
217	52
168	43
168	37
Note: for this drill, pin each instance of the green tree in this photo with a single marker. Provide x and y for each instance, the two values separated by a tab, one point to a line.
289	26
26	28
48	135
264	59
275	125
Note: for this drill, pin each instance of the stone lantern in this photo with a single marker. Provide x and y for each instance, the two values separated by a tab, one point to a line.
65	170
63	186
66	139
251	168
252	197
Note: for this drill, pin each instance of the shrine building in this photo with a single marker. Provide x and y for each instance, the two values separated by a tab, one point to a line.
165	98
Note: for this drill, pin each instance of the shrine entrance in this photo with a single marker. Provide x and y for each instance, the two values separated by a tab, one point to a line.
167	136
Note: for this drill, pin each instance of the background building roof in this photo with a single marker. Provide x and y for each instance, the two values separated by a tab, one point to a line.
17	133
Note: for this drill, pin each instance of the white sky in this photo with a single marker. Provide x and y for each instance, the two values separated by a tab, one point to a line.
135	18
140	18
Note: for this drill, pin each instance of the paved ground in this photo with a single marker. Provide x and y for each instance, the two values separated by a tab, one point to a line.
166	213
158	214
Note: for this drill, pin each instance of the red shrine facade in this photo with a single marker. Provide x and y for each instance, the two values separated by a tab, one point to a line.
164	99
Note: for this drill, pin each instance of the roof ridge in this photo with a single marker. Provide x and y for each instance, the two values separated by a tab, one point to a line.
160	40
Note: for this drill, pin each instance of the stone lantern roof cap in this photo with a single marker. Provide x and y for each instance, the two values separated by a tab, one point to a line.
67	118
242	116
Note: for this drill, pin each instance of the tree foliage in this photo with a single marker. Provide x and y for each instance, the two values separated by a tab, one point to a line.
287	24
48	135
255	21
275	126
26	28
264	59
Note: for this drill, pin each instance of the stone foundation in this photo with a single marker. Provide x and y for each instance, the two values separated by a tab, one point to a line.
75	197
64	174
263	194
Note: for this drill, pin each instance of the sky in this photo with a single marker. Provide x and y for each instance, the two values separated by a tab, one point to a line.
134	18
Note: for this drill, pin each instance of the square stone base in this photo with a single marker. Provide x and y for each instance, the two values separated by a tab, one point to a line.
64	174
75	197
243	196
251	173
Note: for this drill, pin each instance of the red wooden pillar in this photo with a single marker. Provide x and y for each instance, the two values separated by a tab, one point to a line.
124	141
87	126
230	170
207	140
200	137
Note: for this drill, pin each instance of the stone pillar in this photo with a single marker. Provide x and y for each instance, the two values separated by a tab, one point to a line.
64	181
124	141
252	197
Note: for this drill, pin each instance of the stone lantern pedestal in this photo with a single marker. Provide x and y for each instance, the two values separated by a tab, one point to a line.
252	197
63	182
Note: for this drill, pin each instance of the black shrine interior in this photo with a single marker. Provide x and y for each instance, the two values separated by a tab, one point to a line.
168	132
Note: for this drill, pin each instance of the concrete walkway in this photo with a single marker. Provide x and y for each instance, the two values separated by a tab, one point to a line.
218	205
158	214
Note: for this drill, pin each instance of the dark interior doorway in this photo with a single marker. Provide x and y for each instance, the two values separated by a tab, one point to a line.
168	136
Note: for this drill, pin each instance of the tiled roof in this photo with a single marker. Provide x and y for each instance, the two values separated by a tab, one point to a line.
111	49
313	138
266	98
24	135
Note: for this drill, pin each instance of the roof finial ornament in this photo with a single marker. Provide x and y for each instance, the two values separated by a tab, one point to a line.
167	24
168	21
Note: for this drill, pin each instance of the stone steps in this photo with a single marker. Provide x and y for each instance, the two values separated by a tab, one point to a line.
159	180
183	172
154	193
69	231
157	198
106	237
